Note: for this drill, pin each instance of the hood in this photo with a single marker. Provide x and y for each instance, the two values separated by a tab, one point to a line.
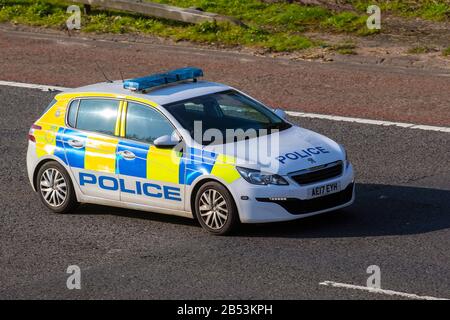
284	152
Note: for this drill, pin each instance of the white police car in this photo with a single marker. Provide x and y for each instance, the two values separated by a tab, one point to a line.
170	144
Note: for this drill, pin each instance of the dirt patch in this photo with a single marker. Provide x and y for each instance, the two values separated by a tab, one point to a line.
403	42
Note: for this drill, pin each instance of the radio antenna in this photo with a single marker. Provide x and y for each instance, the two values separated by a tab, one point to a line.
103	73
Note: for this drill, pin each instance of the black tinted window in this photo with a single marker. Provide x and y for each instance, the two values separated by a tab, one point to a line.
97	115
145	123
223	111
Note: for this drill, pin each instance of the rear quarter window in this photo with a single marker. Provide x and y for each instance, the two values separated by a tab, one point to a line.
73	111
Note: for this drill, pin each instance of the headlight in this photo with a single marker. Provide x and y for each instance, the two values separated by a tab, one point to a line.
257	177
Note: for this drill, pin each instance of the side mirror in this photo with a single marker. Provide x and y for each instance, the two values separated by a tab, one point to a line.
167	141
280	113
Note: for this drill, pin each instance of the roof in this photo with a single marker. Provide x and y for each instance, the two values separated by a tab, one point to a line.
161	95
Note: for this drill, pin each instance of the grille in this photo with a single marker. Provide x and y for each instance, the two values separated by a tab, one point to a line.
320	173
298	206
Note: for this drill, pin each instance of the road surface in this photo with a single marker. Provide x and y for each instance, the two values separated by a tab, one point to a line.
399	222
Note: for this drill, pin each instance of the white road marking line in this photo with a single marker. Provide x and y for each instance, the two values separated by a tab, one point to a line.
32	86
368	121
379	291
291	113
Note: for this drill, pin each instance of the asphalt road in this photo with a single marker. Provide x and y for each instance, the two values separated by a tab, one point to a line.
400	222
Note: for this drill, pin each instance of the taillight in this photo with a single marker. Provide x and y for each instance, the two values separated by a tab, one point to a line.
33	128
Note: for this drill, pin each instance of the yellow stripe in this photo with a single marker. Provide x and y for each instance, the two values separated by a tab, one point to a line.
118	121
68	96
163	165
101	154
123	118
224	168
73	95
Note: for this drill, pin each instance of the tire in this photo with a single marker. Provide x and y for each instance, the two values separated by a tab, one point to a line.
55	188
222	216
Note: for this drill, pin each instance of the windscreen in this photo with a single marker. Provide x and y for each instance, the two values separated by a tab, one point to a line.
229	112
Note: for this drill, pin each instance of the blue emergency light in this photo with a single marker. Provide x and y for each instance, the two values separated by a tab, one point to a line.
154	80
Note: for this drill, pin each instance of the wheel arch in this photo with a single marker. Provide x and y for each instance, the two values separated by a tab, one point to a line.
199	183
41	163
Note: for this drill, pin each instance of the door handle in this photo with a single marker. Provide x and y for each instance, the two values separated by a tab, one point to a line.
76	143
128	155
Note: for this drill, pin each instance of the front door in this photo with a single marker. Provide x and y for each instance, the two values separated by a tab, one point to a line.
148	175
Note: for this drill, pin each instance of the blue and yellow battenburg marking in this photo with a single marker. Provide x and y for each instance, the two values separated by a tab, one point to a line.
102	154
49	139
152	190
197	162
75	157
136	167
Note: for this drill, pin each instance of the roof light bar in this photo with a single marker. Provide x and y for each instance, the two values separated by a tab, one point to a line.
154	80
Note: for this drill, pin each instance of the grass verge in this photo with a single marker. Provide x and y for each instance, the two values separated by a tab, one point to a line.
276	27
446	52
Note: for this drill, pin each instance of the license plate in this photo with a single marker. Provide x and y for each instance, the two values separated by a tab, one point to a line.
324	190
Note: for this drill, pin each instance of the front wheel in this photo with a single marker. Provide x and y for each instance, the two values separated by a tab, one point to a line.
55	188
215	209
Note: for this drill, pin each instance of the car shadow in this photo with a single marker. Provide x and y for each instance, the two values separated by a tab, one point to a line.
94	209
379	210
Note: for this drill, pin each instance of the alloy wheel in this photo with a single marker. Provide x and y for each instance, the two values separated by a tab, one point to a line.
213	209
53	187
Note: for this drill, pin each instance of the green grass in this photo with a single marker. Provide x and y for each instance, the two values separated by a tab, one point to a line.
275	27
281	16
419	50
446	52
436	10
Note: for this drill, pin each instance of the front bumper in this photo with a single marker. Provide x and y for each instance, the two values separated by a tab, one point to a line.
261	206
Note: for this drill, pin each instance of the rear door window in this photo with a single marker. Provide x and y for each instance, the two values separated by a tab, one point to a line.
98	115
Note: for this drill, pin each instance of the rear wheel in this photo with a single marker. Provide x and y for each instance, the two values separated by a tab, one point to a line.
215	209
55	188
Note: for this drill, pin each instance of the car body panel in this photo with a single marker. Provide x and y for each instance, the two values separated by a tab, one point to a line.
298	149
163	180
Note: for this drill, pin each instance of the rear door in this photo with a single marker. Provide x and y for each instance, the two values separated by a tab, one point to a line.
148	175
90	143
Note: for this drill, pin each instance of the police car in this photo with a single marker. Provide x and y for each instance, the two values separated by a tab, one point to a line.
141	144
